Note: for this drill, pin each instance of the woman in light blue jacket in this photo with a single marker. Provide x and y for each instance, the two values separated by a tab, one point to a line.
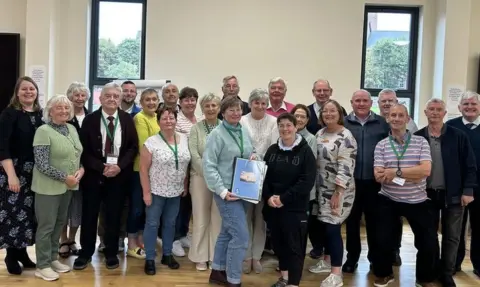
225	142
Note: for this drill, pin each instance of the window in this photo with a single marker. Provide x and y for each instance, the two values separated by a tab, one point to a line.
117	48
390	42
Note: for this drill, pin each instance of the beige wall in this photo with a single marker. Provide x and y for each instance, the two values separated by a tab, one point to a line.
196	43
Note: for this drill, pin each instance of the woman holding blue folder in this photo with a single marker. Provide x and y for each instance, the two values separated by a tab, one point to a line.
224	144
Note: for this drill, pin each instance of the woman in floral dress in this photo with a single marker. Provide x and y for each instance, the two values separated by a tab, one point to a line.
18	123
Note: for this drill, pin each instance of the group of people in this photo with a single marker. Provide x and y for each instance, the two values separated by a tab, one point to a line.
143	173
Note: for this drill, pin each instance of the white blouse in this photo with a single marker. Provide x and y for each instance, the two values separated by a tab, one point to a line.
263	132
165	179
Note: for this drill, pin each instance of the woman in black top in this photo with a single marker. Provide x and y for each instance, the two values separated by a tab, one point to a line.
290	178
18	123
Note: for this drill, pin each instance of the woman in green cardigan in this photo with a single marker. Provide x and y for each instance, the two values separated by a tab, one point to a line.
57	172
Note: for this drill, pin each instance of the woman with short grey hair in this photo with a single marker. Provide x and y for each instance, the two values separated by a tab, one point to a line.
206	225
263	131
78	94
56	174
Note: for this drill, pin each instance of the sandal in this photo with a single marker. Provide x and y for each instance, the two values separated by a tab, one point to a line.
65	254
73	248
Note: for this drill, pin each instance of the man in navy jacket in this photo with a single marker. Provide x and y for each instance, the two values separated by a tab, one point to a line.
451	183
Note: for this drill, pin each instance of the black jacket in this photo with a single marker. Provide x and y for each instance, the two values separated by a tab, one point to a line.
459	163
291	174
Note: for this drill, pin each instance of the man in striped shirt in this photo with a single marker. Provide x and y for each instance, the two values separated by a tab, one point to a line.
402	163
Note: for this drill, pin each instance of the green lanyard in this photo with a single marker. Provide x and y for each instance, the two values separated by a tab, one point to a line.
175	151
206	126
405	147
111	136
240	145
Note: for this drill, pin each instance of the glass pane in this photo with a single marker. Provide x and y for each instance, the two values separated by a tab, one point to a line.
120	40
403	101
388	51
97	90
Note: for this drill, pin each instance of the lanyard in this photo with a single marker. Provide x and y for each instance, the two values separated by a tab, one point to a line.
206	126
405	147
175	151
240	145
111	136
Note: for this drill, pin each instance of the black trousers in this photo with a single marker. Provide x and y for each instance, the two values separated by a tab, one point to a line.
112	194
452	217
366	192
289	240
474	209
421	220
315	228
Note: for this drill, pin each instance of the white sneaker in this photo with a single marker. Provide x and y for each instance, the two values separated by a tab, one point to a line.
202	266
185	242
332	280
322	266
177	249
59	267
47	274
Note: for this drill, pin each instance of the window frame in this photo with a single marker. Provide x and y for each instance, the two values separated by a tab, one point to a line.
94	80
413	50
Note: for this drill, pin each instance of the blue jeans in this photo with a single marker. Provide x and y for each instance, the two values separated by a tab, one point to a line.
167	209
232	242
136	211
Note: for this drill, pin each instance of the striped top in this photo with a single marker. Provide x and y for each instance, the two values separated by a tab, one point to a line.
184	125
417	151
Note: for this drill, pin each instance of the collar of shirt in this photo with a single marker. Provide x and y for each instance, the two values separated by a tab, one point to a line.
283	106
405	136
316	108
475	122
105	115
364	120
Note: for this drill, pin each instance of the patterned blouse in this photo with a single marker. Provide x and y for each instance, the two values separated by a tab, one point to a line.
335	165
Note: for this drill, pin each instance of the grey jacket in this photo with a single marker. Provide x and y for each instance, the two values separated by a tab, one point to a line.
367	136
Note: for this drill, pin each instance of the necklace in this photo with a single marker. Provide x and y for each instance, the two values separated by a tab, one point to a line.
208	128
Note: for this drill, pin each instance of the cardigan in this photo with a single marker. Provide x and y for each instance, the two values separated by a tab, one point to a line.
146	126
196	144
65	153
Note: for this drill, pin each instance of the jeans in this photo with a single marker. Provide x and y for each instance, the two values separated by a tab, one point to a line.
167	209
333	242
289	239
232	242
420	218
136	212
452	217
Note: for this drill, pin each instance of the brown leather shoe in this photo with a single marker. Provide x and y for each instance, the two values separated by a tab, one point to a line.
218	277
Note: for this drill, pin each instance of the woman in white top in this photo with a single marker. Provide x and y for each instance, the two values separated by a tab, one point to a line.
263	132
164	161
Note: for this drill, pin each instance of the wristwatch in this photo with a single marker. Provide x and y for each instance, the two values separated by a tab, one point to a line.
399	172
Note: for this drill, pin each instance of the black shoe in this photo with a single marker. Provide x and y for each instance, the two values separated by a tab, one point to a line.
150	268
280	283
315	253
397	260
218	277
25	259
170	262
447	281
11	260
349	267
81	263
112	262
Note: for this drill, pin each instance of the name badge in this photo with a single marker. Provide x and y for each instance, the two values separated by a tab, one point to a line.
398	180
112	159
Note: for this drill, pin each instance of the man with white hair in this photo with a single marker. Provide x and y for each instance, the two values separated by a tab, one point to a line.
387	98
277	89
469	121
170	95
450	184
110	145
231	88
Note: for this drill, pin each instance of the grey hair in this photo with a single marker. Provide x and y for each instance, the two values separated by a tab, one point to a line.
164	87
386	91
277	80
399	105
259	95
322	80
59	99
437	101
228	78
210	97
362	90
77	87
468	95
110	86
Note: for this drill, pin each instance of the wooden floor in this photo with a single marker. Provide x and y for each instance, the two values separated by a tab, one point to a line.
130	274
